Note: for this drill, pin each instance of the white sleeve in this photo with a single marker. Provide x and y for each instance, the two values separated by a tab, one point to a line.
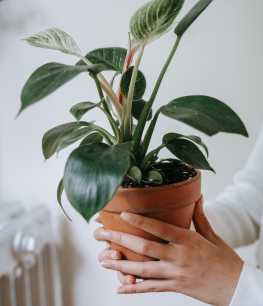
235	214
249	291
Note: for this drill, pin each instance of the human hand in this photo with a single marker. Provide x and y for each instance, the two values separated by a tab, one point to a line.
198	264
112	254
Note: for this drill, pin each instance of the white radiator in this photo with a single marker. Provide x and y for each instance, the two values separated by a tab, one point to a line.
26	272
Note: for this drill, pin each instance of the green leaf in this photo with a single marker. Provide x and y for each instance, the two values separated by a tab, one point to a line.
59	194
108	101
112	58
195	139
53	137
92	138
74	137
127	145
92	176
137	108
140	84
50	77
188	153
205	114
194	13
80	109
154	19
135	174
54	39
153	177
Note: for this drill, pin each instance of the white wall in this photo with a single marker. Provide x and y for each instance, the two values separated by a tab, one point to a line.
220	56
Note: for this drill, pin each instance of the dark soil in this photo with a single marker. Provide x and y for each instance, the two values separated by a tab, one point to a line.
171	173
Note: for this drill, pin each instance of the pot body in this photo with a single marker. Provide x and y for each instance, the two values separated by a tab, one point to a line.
172	204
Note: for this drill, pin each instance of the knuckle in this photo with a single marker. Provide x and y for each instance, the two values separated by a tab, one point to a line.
134	289
151	288
145	248
143	272
139	221
118	238
163	230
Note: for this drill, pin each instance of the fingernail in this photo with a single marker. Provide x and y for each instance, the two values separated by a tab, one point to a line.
114	256
106	235
121	290
107	264
129	281
127	217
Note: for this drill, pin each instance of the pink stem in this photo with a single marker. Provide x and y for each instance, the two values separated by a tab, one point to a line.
126	66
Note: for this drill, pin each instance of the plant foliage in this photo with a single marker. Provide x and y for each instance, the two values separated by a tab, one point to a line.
96	167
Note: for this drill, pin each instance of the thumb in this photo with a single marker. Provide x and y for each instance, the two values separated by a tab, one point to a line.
201	223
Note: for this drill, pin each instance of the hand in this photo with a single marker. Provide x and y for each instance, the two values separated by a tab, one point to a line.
198	264
112	254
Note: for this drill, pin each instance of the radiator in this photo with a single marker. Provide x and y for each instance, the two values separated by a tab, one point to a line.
26	272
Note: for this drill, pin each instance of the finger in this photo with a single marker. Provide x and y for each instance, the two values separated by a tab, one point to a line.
137	244
97	234
109	254
126	279
150	269
146	286
201	223
98	219
157	228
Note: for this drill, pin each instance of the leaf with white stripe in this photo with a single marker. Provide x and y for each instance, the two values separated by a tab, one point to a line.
54	39
154	19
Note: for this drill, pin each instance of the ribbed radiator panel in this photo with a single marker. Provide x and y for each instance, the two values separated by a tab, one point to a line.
26	261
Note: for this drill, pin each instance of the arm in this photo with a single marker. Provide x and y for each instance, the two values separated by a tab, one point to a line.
235	214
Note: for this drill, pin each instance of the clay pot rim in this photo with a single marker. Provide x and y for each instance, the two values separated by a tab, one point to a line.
165	187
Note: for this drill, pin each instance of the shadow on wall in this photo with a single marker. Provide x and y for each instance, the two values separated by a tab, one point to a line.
70	262
15	16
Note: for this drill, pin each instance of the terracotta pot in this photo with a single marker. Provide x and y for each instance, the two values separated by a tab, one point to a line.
172	204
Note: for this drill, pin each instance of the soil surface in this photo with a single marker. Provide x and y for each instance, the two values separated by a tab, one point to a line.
171	173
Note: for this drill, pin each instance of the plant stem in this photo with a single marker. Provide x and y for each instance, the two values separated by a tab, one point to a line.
101	77
149	157
105	106
147	108
113	123
148	136
106	135
114	100
127	124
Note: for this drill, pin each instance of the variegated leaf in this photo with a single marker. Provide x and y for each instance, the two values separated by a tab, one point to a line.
54	39
154	19
112	58
140	84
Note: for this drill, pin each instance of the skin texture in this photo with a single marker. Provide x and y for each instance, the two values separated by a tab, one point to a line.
198	264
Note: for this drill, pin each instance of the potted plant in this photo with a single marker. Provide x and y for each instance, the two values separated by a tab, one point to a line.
112	172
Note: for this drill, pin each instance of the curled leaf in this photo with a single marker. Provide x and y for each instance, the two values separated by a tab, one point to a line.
80	109
55	136
153	177
135	174
185	23
59	194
